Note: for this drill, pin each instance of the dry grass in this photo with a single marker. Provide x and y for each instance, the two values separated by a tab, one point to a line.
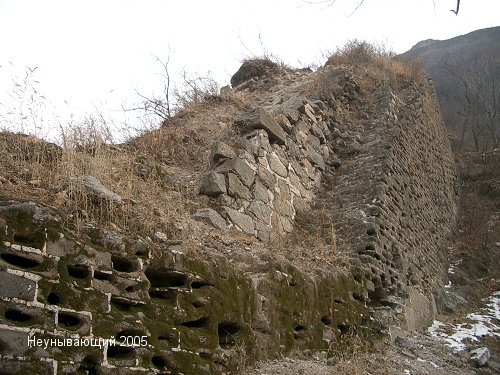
376	62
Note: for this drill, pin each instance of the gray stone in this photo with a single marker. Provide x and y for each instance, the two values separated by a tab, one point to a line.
266	177
14	286
263	231
316	159
260	192
291	113
260	119
221	151
282	207
211	217
236	189
480	356
256	143
240	168
93	186
241	220
300	204
213	184
308	111
276	165
260	211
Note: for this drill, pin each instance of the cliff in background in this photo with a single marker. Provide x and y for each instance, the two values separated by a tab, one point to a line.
292	212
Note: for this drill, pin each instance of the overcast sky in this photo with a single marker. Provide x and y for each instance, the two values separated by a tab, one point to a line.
95	53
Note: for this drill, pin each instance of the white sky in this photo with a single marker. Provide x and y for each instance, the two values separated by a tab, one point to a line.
94	53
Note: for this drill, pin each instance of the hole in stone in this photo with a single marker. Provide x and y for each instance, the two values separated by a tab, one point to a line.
165	277
204	353
129	288
197	284
292	282
89	365
53	298
160	361
123	264
199	323
339	301
78	271
103	275
20	261
166	294
226	331
371	232
28	239
69	320
344	328
119	351
299	328
125	303
17	315
326	320
370	247
357	296
199	302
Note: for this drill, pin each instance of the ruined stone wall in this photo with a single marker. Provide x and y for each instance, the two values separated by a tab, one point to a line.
375	158
170	311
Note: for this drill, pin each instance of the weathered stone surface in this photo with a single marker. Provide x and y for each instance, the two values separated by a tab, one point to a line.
93	186
211	217
263	231
282	206
213	184
241	220
308	111
14	286
260	211
240	168
256	143
221	152
260	192
316	159
276	165
260	119
480	356
266	177
236	188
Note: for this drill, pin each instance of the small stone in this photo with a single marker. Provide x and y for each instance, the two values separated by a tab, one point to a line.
240	168
213	184
480	356
308	111
260	119
221	152
316	159
276	165
241	220
211	217
236	188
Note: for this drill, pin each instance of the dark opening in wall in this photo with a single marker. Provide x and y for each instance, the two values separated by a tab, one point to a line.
197	284
125	303
69	320
326	320
119	351
199	323
166	277
161	293
227	331
89	365
53	298
371	232
103	275
166	337
78	271
17	315
35	239
123	264
339	301
344	328
299	331
20	260
161	362
357	297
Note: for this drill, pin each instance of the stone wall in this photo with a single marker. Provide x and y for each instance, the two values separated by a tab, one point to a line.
375	158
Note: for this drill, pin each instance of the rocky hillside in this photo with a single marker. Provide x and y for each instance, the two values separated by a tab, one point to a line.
298	211
456	66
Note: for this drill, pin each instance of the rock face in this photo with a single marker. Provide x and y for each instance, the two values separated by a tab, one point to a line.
375	159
